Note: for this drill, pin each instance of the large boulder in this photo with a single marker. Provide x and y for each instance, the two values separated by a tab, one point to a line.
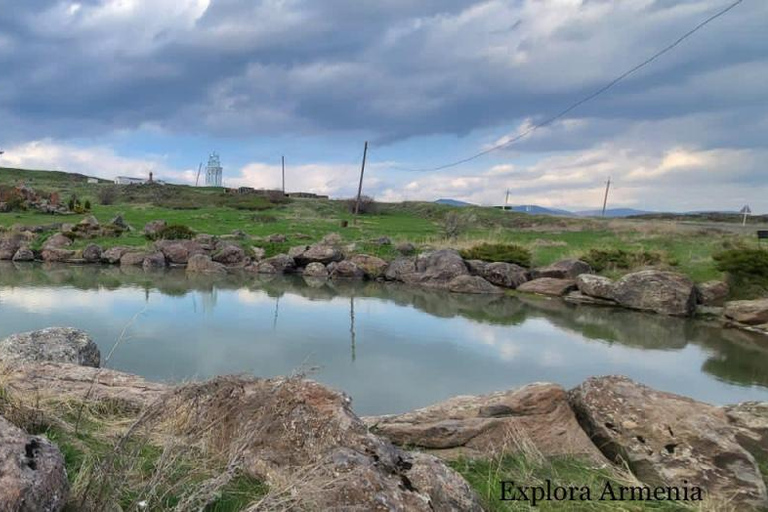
319	253
278	264
298	431
750	423
316	270
503	274
9	245
472	284
440	266
92	253
595	286
152	228
405	248
667	293
154	260
57	241
203	264
373	266
178	252
345	269
33	477
132	258
229	254
563	269
548	286
401	269
57	344
492	425
24	254
750	312
668	439
55	255
712	293
114	254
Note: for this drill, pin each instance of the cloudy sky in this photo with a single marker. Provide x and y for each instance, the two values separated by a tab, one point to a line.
121	87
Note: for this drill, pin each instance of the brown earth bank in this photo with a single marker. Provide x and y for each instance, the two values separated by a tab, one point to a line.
304	441
649	290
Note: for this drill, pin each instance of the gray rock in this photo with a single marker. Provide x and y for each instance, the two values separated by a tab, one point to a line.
577	297
258	253
92	253
114	254
9	245
345	269
472	284
132	258
230	254
382	240
440	266
503	274
563	269
278	264
372	266
595	286
55	255
119	222
476	267
317	270
406	248
319	253
154	260
750	423
333	239
277	239
24	254
33	477
401	269
296	252
667	293
548	286
668	439
152	228
712	293
57	241
57	344
203	264
749	312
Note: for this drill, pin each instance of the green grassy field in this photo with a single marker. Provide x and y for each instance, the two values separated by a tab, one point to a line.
686	246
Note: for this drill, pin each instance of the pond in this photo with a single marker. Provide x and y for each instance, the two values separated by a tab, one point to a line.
392	348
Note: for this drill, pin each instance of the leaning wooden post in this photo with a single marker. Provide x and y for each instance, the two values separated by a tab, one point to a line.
360	186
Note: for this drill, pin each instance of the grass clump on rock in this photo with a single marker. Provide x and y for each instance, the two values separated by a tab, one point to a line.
620	259
507	253
175	232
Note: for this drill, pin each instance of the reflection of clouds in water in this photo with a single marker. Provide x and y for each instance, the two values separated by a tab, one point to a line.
253	297
498	339
46	300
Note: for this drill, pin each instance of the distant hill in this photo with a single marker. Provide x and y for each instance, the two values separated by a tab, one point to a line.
453	202
535	209
612	212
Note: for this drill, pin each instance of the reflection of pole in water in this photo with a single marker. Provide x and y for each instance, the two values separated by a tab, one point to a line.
209	300
277	311
146	295
352	324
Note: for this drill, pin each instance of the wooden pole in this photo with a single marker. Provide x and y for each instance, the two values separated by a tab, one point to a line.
360	186
605	199
283	175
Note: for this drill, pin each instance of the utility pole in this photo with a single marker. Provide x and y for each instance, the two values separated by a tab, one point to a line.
605	199
283	175
360	187
506	201
199	168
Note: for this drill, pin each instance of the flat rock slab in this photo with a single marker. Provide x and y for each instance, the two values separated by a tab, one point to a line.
548	286
750	312
667	293
56	344
32	473
750	422
668	439
489	425
62	381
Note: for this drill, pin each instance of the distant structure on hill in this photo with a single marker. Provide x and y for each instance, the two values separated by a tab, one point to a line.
453	202
130	180
305	195
213	171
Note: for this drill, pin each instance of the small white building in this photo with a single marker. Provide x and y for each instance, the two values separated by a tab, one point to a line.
92	181
128	180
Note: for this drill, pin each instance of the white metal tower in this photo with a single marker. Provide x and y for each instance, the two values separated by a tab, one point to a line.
213	171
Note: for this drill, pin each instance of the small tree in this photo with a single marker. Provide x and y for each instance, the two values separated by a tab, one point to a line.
367	205
87	205
107	194
454	224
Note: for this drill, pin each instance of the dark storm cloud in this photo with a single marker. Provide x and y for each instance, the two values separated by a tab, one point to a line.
393	69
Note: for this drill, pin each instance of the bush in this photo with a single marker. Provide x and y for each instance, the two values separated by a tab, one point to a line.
367	205
87	205
615	259
107	195
507	253
747	269
175	232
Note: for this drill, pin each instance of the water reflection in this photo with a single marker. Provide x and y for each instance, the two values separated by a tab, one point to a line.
391	347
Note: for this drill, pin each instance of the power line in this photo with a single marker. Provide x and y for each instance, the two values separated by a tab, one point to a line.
582	101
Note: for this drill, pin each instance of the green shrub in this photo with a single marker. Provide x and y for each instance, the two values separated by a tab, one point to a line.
87	205
620	259
747	270
508	253
175	232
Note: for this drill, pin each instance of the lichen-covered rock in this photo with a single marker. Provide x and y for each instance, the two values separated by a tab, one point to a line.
548	286
406	248
203	264
55	255
33	477
503	274
154	260
24	254
57	344
230	254
114	254
595	286
401	269
472	284
316	270
152	228
749	312
750	423
132	258
319	253
345	269
92	253
563	269
491	425
712	293
57	241
9	245
668	439
440	267
373	266
667	293
277	238
278	264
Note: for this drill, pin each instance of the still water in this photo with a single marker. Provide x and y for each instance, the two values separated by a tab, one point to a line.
391	348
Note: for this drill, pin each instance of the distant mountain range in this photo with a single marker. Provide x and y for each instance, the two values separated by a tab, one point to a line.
535	209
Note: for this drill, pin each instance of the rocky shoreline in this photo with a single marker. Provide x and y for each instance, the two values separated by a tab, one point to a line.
279	428
650	290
